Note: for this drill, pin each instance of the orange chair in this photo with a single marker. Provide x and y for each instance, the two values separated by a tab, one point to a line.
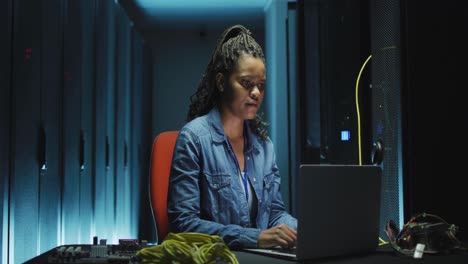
160	168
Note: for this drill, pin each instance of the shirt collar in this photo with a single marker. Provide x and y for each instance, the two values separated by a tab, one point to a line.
217	130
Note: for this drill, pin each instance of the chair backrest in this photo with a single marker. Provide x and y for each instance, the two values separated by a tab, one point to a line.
160	168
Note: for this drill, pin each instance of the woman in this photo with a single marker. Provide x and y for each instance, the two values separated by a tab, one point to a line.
224	180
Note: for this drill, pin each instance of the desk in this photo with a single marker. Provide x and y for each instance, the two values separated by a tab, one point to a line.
384	255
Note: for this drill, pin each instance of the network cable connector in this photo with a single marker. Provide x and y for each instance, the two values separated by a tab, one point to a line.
419	251
98	251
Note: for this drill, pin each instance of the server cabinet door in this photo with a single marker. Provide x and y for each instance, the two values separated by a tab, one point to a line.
50	108
6	16
26	132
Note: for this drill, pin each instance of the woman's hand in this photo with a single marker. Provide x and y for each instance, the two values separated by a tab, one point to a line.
281	235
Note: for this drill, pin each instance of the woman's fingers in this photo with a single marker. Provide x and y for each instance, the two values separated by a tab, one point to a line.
281	235
286	235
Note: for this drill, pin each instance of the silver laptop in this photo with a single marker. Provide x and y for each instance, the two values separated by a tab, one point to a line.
338	212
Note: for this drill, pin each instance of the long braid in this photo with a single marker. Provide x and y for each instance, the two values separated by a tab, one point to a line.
234	42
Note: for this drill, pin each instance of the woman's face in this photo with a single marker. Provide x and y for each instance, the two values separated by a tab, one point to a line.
245	88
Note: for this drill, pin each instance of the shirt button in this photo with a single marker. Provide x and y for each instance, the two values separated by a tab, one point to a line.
248	158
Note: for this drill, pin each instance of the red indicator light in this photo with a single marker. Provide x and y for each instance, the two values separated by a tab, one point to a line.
28	53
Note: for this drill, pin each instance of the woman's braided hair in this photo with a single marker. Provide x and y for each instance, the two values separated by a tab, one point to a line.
234	42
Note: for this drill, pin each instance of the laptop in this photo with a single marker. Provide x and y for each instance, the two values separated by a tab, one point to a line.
338	212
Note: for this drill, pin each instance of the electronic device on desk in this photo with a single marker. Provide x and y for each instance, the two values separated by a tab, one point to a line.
328	198
124	252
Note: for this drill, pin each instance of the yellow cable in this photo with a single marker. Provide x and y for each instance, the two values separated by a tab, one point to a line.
382	242
188	247
357	109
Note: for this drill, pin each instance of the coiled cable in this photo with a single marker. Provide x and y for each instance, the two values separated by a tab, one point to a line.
188	247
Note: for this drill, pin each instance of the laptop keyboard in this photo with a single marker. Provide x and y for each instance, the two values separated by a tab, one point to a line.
286	250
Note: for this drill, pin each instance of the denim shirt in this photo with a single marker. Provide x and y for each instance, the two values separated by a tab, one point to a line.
205	194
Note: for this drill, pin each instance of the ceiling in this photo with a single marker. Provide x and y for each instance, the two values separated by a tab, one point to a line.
153	14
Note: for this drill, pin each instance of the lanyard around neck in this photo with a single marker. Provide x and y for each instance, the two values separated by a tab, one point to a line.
244	176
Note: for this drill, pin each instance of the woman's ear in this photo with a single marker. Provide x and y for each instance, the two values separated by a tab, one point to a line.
220	81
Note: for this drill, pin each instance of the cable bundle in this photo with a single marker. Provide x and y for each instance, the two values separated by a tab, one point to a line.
189	247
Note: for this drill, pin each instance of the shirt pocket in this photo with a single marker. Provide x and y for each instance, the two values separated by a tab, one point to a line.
219	191
218	181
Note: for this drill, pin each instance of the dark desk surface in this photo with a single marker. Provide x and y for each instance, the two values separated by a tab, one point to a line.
384	255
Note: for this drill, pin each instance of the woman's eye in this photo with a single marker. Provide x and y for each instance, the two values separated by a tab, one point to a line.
261	86
247	84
